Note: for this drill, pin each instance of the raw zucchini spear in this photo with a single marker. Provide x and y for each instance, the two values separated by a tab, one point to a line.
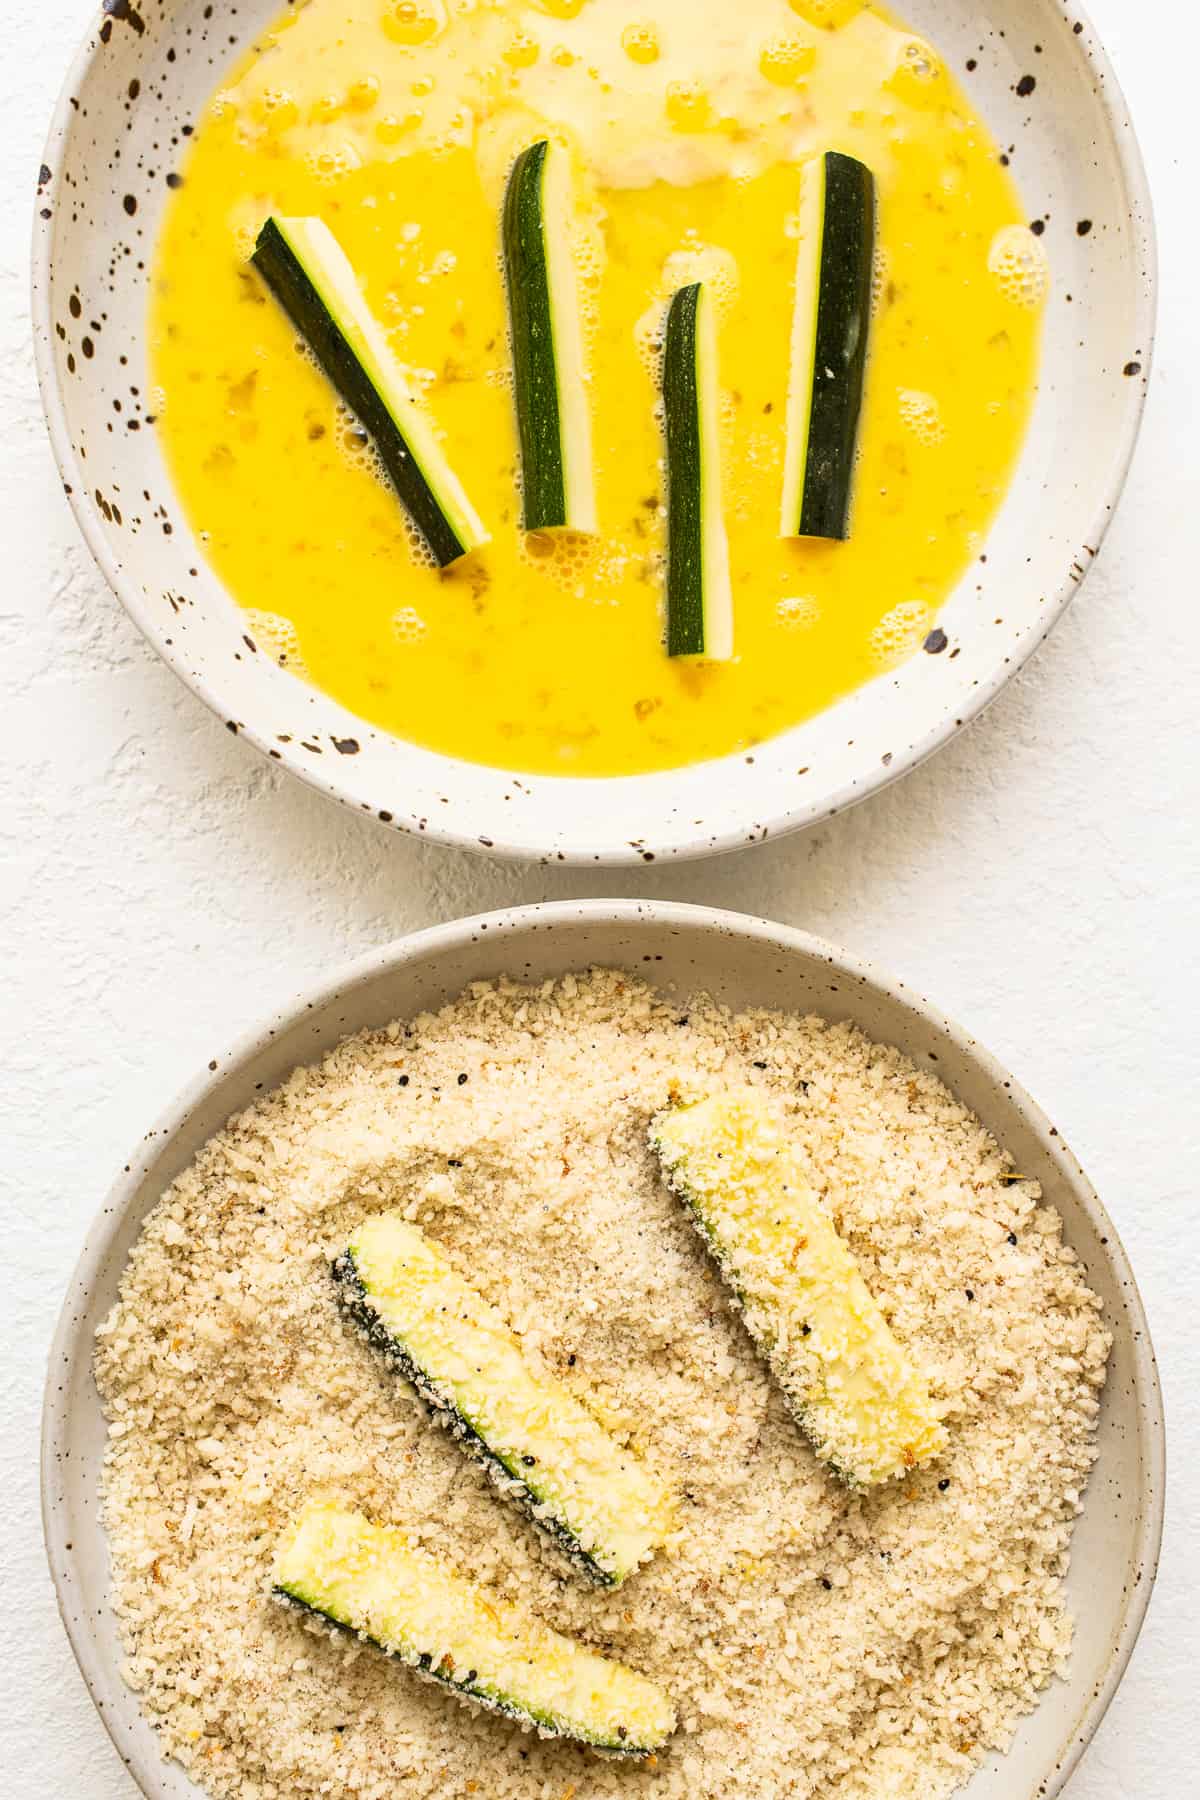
854	1391
305	267
542	1447
699	594
372	1580
553	418
830	326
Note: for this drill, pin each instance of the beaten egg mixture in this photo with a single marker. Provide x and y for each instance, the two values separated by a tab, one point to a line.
397	122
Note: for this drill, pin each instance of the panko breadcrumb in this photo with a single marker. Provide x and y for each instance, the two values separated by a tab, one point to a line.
817	1642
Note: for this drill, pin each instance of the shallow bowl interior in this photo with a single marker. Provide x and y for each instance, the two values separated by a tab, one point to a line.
744	963
144	77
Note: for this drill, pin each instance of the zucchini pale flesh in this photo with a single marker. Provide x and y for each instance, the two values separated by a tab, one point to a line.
830	327
855	1392
305	267
699	592
543	1448
553	418
372	1580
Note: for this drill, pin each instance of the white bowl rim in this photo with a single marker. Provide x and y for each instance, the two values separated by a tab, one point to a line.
793	817
515	921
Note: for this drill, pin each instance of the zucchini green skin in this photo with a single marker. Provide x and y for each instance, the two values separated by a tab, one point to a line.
356	1303
373	1583
465	1689
699	599
284	273
830	352
543	301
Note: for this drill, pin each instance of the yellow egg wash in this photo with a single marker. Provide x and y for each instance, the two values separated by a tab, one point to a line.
397	123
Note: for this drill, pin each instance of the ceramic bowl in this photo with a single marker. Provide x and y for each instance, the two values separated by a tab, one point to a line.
741	961
1044	85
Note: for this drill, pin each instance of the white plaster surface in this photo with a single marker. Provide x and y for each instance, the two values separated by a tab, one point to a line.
162	886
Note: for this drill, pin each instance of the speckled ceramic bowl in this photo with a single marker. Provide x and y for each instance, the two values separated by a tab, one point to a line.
1044	85
743	962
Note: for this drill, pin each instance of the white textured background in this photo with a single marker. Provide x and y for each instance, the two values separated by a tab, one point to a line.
162	886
